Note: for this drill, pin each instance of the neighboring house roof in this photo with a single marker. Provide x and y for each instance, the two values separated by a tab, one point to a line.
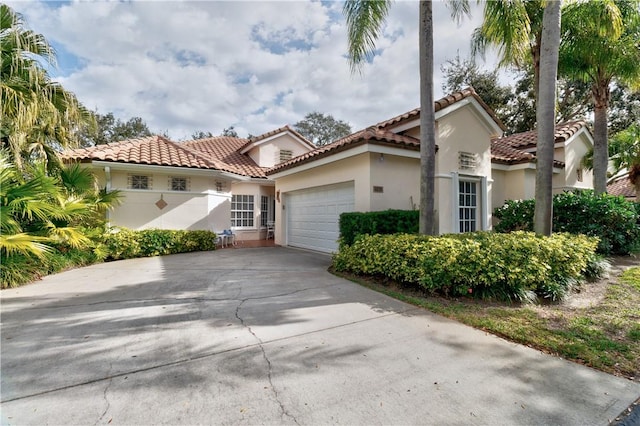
439	105
256	139
510	149
370	135
622	187
525	140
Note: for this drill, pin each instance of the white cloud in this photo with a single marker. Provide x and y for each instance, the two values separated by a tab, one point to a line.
186	66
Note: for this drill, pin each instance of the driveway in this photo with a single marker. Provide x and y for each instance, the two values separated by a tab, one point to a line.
267	336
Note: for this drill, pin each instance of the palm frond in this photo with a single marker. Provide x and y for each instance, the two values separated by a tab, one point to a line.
24	243
365	20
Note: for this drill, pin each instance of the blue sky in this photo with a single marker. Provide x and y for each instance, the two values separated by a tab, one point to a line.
185	66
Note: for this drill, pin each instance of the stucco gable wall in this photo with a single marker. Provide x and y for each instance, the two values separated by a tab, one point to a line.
460	131
267	154
574	152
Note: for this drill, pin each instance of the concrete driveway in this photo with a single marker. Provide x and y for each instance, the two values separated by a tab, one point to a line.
267	336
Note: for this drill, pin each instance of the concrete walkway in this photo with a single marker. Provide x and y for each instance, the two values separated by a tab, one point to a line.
267	336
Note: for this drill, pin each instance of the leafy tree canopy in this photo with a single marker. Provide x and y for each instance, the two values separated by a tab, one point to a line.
110	129
322	129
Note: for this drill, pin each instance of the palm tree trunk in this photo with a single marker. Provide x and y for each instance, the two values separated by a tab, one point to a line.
600	137
545	115
427	122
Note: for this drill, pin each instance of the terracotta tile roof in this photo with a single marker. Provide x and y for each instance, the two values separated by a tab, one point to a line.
622	187
439	105
226	150
369	135
275	132
152	150
381	134
524	140
502	153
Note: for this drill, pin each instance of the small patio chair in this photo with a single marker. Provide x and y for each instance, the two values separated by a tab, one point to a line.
229	236
271	229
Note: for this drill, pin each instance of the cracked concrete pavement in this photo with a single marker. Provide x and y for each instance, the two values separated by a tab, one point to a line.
267	336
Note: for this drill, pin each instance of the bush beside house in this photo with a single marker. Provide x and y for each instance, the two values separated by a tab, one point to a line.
614	220
19	269
517	266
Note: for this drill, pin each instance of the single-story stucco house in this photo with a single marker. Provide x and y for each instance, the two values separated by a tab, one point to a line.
244	184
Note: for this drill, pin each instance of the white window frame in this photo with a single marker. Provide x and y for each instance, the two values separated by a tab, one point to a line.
482	194
242	211
266	214
468	206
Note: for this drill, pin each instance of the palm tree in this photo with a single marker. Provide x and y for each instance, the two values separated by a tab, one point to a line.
600	58
545	116
364	22
37	114
515	29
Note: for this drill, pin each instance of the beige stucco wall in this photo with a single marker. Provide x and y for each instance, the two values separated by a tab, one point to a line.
460	131
574	152
399	178
518	184
200	208
354	169
267	154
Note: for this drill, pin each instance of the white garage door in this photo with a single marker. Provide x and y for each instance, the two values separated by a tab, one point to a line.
313	216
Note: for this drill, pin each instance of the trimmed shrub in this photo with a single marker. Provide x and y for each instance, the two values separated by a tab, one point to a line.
126	244
516	266
384	222
610	218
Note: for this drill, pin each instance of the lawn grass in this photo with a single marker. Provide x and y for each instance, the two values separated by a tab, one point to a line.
604	334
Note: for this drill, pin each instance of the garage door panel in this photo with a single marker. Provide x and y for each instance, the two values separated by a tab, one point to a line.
313	216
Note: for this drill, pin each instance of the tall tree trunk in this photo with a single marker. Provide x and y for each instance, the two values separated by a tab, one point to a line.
427	122
545	115
600	138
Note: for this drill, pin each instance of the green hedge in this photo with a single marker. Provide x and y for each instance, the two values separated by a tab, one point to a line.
121	243
125	243
610	218
383	222
516	266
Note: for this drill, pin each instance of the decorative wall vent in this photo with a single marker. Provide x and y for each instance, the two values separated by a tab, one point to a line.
179	183
467	160
378	189
285	155
139	182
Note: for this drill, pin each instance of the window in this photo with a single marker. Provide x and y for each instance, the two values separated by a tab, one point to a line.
178	183
285	155
468	206
219	186
242	211
139	182
267	210
264	210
